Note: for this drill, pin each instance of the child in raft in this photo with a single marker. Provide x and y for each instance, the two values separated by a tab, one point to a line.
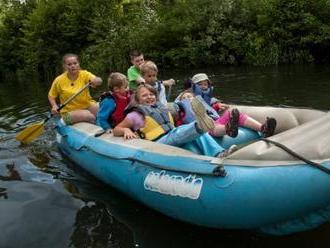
228	120
149	72
113	102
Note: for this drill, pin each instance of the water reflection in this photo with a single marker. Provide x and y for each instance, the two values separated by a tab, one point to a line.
95	224
3	193
96	227
12	173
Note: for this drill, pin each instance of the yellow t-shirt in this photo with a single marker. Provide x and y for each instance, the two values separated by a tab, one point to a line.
63	88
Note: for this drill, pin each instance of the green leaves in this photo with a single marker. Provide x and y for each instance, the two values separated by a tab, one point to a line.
34	34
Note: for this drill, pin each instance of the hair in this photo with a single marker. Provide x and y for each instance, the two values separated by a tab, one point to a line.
68	55
117	79
135	53
148	66
148	87
187	84
184	92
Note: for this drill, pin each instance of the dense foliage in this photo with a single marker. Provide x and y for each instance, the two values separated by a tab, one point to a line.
34	34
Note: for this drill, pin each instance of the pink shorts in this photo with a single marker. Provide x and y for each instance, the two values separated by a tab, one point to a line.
225	118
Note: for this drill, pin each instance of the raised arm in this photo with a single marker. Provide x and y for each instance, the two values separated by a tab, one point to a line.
139	80
169	82
95	81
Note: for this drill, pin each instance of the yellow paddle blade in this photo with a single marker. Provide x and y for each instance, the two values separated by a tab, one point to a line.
31	132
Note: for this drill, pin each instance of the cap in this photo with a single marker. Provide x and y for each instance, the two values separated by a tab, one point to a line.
199	77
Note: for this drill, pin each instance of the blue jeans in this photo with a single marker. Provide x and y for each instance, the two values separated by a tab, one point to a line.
187	136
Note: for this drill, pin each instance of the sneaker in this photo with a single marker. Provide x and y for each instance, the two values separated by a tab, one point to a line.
230	150
204	122
268	127
232	125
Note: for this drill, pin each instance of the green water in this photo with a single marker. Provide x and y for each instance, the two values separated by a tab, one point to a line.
46	201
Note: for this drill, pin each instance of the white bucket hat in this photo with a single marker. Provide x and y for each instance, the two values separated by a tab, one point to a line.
199	77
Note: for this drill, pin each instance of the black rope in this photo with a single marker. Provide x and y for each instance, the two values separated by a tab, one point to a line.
296	155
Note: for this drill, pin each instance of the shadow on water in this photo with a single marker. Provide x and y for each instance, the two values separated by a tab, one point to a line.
46	201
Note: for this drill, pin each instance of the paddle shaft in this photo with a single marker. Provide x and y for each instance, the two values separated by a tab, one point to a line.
169	92
73	96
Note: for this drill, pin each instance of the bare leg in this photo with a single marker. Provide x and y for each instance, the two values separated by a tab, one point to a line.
252	124
219	130
82	115
94	108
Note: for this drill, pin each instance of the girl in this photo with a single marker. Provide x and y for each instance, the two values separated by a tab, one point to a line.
228	121
82	107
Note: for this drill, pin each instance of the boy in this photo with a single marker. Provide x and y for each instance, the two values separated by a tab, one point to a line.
114	102
149	72
133	73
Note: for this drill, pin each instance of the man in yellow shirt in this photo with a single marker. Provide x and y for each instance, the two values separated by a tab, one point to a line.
82	107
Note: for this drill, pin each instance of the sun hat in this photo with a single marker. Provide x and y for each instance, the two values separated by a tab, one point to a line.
199	77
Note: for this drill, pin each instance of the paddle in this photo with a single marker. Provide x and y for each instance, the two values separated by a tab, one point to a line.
35	130
169	92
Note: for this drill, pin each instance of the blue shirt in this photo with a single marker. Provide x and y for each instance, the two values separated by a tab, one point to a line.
107	107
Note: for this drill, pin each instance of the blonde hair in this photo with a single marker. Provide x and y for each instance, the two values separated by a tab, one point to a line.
180	97
148	66
148	87
117	79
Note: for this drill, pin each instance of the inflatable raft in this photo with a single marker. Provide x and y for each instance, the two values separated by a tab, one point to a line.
278	186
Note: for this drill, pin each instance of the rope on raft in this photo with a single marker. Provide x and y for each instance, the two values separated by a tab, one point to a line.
296	155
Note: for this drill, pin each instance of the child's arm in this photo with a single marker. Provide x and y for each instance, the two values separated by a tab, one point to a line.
220	106
169	82
139	80
217	105
124	129
95	81
215	100
134	76
107	106
133	121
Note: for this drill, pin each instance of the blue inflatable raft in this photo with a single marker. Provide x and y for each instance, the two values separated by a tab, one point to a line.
264	186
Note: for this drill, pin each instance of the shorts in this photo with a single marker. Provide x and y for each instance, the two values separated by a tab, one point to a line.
67	118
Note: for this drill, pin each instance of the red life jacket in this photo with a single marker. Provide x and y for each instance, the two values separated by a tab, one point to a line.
121	103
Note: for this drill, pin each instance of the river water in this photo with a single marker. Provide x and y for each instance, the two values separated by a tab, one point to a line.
46	201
